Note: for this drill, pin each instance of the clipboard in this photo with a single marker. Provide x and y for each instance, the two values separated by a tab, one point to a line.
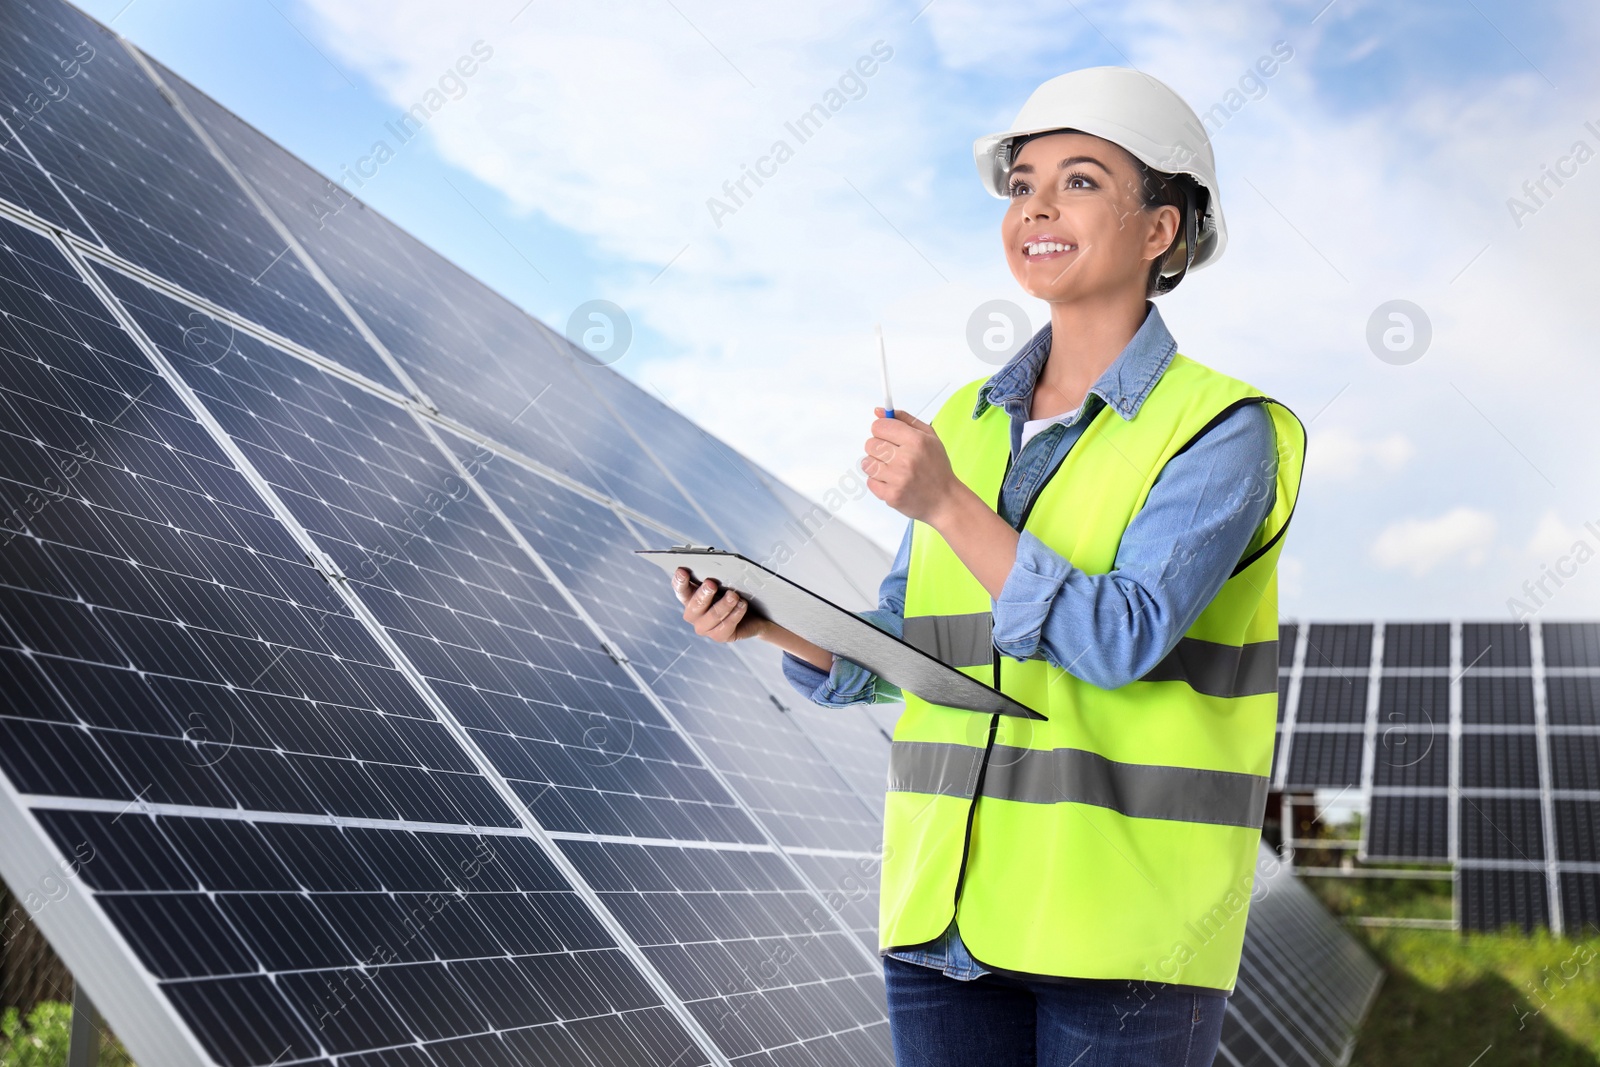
840	631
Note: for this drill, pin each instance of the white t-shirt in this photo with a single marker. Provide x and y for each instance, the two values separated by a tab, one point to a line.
1033	426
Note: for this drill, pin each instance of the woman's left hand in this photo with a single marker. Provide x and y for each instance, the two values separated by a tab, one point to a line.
907	467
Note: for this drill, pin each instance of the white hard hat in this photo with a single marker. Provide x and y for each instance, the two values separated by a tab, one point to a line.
1128	108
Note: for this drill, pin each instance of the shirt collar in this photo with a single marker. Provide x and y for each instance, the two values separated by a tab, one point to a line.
1123	385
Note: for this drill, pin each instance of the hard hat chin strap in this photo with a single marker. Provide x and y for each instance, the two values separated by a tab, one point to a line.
1165	282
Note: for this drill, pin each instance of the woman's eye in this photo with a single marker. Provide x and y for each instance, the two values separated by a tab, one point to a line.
1018	188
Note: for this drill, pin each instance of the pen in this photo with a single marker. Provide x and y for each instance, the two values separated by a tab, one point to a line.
883	362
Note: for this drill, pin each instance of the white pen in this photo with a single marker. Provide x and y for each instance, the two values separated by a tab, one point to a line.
883	362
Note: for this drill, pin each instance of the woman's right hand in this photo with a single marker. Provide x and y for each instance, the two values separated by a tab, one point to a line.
723	617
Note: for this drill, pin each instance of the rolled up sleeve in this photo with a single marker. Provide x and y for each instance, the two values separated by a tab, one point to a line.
1026	598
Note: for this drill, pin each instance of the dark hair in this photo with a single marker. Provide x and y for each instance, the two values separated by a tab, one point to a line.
1157	188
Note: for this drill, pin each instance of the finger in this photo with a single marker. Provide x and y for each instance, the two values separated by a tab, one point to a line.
696	605
706	593
878	449
723	606
683	584
729	627
713	616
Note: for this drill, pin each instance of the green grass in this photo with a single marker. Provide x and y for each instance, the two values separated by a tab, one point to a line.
1473	1000
40	1038
1393	897
1511	998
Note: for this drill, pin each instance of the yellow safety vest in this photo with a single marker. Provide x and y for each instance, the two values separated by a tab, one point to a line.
1118	838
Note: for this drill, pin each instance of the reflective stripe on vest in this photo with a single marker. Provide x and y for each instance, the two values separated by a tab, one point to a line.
1210	668
1056	775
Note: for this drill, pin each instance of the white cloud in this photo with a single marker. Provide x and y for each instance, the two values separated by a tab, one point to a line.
1341	454
618	122
1461	534
1552	536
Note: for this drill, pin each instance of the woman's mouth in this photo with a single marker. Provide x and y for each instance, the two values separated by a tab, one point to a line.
1039	251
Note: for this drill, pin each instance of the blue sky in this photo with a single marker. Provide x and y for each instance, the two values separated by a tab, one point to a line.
1374	165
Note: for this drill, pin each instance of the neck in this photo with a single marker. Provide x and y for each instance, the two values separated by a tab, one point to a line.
1085	338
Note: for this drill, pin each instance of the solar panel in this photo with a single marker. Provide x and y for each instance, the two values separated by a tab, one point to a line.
458	596
742	941
1529	698
1491	899
1495	644
1501	828
1497	699
1333	698
1580	902
1407	828
21	180
775	767
146	186
1499	761
474	613
1574	699
1303	989
1572	644
1408	755
1340	645
1287	632
1416	644
482	359
218	743
1414	707
1578	830
1575	761
1325	759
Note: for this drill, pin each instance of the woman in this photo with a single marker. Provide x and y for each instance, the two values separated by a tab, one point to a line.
1095	531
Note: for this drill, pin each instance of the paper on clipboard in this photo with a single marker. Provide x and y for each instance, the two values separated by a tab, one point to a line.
839	630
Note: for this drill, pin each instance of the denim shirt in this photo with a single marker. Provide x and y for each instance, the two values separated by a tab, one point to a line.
1107	629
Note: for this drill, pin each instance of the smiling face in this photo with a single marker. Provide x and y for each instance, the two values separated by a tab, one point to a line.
1076	227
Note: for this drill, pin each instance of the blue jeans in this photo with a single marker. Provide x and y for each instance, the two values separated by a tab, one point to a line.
999	1021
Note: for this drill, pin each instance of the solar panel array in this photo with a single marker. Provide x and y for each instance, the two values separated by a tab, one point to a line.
1476	743
340	724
